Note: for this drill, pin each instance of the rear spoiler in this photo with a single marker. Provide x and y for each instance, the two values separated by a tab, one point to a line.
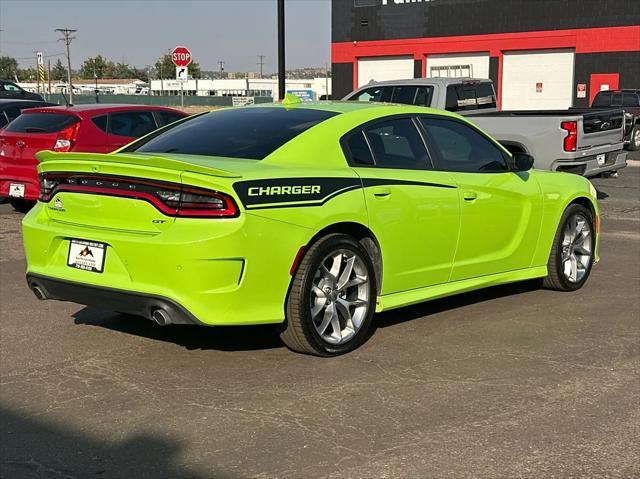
136	159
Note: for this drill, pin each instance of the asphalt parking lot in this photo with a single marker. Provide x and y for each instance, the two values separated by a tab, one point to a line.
508	382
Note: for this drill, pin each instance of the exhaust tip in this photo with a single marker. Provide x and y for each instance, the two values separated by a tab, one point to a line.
161	317
39	293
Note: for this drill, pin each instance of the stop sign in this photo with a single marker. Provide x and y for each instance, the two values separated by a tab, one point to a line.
181	56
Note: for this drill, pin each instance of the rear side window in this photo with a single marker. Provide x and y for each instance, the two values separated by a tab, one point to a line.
133	124
630	99
473	96
41	123
360	154
616	99
100	122
404	95
602	99
379	93
424	96
249	133
462	148
169	117
397	144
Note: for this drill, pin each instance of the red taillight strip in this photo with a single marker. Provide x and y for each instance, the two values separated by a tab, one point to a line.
169	208
138	195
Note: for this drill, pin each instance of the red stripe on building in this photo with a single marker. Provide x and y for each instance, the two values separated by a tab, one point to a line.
585	40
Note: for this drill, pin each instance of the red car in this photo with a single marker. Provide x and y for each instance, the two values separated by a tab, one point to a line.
93	128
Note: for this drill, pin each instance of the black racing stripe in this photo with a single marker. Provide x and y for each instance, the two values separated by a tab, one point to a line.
367	182
255	193
305	204
308	192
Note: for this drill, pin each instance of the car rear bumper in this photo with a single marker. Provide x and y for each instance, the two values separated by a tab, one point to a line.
146	305
31	188
209	271
590	166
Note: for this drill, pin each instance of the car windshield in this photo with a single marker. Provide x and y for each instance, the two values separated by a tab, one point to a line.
249	133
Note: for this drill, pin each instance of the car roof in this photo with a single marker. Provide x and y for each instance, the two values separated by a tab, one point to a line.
426	81
98	108
345	106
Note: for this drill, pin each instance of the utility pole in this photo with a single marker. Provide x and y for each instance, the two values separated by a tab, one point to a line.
49	77
261	63
66	38
221	64
281	67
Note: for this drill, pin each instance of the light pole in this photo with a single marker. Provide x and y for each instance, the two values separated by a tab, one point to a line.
281	67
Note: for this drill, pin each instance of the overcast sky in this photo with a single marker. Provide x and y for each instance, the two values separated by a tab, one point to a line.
235	31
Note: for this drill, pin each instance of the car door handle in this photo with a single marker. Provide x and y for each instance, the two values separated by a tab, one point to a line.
470	195
381	191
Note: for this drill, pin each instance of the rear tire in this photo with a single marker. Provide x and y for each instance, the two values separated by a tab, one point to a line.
332	298
21	206
572	252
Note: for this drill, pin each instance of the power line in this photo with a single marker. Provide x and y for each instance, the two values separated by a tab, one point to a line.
66	38
45	56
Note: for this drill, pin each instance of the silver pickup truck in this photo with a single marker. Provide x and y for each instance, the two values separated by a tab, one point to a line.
585	142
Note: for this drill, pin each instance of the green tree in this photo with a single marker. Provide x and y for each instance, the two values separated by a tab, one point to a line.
122	70
165	68
27	74
59	72
8	67
98	66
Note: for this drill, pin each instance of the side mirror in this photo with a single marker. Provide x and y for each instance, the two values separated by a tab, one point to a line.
521	162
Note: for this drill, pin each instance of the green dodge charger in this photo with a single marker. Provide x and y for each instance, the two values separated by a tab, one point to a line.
308	215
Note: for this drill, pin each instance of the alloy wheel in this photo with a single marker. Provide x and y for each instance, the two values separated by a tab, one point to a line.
577	248
339	300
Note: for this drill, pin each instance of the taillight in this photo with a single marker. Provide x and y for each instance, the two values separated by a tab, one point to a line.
67	137
169	198
571	140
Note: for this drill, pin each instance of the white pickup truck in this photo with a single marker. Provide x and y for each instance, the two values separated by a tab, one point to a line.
585	142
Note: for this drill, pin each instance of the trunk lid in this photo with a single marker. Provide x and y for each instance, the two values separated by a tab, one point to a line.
120	191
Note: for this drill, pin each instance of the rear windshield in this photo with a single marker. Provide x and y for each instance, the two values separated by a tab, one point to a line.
476	96
250	133
41	123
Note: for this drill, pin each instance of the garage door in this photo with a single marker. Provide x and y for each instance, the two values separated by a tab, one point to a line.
384	68
537	80
469	65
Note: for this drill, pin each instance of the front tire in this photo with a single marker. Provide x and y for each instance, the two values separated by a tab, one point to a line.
332	298
634	139
573	249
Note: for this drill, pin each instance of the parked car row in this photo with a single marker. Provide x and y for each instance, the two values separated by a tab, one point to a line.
31	126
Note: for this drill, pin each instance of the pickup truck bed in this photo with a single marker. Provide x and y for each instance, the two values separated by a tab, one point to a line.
597	148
